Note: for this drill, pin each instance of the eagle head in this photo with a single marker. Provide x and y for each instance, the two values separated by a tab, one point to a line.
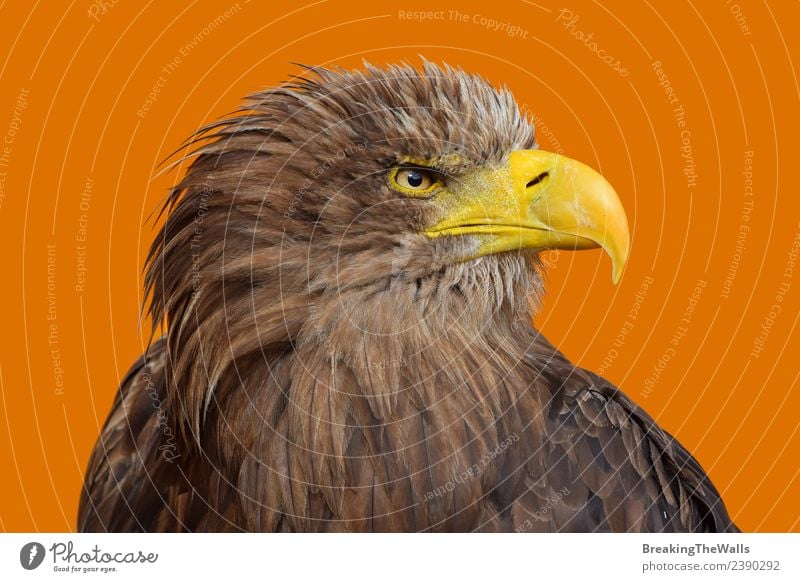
365	215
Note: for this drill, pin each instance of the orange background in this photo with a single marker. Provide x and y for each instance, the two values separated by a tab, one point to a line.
88	69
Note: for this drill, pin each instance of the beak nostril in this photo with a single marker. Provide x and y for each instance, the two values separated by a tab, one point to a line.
540	178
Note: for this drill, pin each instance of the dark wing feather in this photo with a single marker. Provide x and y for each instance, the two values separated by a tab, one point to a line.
606	466
133	481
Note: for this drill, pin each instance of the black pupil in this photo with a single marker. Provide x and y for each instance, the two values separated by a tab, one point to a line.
414	179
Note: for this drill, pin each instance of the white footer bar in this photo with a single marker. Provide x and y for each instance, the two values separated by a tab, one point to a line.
401	557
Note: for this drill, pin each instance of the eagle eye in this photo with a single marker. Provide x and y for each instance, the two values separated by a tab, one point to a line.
414	180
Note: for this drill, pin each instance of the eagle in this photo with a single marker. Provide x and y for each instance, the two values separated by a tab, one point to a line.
347	276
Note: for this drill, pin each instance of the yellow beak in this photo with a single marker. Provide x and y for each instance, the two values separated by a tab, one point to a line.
537	200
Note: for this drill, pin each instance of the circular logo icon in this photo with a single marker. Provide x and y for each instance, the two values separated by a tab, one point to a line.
31	555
